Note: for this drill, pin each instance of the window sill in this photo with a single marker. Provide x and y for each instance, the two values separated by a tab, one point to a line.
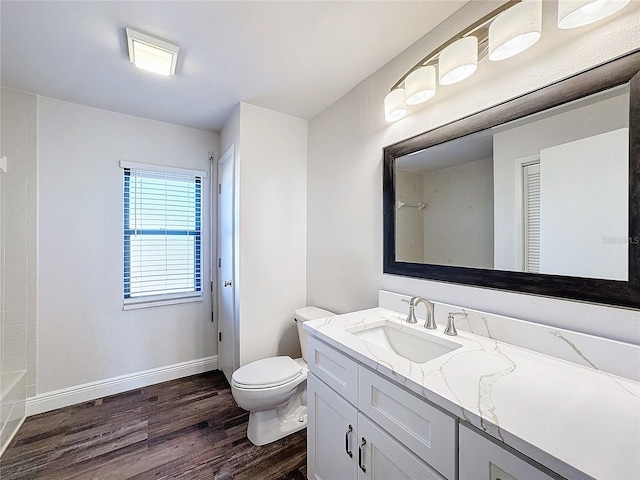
138	303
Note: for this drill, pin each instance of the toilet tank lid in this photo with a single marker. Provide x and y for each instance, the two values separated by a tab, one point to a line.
311	313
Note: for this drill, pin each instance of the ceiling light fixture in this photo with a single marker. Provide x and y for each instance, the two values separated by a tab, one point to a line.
505	32
577	13
151	53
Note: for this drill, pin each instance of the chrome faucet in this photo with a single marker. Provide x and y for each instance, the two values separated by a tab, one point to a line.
430	322
451	328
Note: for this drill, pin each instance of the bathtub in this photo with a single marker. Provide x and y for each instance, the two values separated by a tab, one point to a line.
13	394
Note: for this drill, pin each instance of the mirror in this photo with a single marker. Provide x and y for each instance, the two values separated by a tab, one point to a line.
533	195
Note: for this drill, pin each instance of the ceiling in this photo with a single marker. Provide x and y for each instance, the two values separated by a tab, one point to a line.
296	57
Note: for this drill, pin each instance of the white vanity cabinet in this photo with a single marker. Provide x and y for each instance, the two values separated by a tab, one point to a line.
377	431
482	459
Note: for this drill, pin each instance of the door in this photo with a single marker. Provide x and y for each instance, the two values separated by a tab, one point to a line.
226	287
332	452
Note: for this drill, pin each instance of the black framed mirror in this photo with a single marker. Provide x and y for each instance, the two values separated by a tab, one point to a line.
582	234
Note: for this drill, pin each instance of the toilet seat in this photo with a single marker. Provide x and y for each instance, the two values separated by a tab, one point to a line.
268	372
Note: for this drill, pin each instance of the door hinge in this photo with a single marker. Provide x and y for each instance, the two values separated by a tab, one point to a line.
219	188
212	291
219	336
211	316
218	263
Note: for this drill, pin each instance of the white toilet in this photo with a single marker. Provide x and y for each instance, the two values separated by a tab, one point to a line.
274	390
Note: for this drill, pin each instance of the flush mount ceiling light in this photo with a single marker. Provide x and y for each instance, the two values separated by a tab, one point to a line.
515	30
577	13
505	32
151	53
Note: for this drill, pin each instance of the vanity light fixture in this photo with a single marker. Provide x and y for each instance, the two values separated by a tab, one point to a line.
394	105
505	32
420	85
577	13
458	60
151	53
515	30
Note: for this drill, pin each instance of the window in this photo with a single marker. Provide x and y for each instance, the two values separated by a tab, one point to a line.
162	235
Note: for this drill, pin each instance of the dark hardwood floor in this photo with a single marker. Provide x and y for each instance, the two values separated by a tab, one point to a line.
188	429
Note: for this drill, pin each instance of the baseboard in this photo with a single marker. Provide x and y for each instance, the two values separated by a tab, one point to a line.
90	391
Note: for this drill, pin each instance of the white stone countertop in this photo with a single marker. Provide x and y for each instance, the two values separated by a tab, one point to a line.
577	421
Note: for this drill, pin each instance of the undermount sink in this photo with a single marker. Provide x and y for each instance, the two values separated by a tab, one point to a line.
409	343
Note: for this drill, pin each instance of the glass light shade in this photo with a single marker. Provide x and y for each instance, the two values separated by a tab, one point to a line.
152	59
458	61
394	106
152	53
515	30
420	85
577	13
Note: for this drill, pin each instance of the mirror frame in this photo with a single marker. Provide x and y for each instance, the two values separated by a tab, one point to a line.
616	72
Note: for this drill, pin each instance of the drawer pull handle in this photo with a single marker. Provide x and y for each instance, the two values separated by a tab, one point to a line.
346	442
362	444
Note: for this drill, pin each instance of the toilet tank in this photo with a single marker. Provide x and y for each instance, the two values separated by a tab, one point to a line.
304	314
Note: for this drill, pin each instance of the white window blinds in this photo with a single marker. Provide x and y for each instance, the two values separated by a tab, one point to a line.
531	205
162	235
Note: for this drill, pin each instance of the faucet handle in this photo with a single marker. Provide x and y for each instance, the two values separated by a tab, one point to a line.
411	317
451	328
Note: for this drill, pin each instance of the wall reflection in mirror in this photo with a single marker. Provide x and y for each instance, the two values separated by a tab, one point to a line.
548	193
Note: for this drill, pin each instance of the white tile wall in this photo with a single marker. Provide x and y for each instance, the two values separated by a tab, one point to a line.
18	298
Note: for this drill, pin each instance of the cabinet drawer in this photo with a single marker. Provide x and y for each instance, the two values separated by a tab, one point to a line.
481	459
333	368
425	430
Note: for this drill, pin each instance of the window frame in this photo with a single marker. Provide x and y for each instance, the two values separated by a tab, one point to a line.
145	301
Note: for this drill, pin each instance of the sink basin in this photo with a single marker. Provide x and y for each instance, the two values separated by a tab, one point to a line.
409	343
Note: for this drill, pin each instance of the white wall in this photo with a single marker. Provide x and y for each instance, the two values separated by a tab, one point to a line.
84	335
271	151
409	220
344	239
458	218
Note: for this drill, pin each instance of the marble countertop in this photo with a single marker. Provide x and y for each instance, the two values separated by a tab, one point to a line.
577	421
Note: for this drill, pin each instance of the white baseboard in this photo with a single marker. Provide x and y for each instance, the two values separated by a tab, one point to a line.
90	391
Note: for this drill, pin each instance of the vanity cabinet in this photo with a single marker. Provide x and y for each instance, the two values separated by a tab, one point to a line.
482	459
375	430
345	444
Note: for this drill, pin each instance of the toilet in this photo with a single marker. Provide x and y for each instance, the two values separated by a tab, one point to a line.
274	389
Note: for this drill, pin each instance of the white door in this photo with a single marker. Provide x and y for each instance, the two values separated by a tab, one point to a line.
226	262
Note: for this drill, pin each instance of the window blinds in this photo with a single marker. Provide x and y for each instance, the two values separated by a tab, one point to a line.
162	235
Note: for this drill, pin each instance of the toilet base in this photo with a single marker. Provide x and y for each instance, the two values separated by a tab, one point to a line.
267	426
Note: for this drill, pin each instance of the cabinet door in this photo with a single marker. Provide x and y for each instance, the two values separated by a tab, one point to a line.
481	459
425	430
382	457
332	452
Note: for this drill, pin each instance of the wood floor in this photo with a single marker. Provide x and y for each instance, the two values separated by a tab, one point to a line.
184	429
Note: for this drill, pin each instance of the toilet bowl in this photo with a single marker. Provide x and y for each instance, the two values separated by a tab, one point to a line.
274	389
